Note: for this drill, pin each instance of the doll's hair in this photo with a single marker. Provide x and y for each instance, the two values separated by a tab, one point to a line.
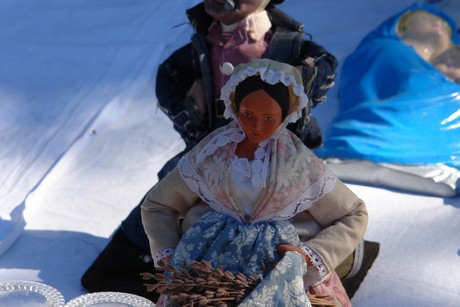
277	91
405	18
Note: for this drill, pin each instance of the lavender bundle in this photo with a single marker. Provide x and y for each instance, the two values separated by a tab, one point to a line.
199	284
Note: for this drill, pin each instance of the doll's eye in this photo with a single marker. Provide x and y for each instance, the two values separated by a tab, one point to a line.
268	118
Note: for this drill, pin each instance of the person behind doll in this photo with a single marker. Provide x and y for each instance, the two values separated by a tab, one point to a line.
188	89
256	175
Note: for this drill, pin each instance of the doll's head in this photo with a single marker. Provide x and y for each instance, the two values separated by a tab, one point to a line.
232	11
266	80
278	92
260	109
429	34
421	22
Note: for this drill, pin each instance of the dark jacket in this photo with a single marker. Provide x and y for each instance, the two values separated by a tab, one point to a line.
178	72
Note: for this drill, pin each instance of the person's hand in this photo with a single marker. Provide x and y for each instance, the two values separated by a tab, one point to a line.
283	248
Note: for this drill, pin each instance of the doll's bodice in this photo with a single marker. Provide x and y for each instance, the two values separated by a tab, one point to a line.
246	193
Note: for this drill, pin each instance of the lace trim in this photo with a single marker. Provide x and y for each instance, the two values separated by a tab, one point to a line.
270	76
315	260
229	135
316	191
198	186
257	169
165	252
242	166
260	164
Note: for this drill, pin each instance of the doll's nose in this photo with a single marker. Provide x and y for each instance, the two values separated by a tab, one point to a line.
257	124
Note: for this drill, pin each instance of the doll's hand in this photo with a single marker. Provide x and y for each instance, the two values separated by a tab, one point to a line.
283	248
163	262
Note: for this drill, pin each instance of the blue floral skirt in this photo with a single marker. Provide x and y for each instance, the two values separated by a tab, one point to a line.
237	246
252	250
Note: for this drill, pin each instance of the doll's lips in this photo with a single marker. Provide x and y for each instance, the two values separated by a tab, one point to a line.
256	135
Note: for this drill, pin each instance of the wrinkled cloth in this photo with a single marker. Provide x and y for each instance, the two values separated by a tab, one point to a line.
395	107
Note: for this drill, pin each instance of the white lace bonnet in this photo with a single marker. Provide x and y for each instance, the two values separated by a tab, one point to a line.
271	72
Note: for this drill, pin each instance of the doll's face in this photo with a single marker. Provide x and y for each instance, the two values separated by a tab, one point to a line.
421	22
259	115
243	8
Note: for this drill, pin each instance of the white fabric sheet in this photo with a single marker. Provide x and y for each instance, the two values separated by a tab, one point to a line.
81	141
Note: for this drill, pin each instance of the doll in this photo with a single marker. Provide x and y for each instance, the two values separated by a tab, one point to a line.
256	175
188	88
189	81
398	123
429	34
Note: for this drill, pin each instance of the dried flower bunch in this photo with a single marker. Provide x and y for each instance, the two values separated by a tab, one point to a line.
199	284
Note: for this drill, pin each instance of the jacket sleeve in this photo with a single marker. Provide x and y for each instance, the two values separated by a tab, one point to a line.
164	205
318	70
175	77
343	219
317	67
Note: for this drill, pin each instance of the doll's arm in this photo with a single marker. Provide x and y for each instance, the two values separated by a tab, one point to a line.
177	88
167	202
317	67
318	70
343	217
283	248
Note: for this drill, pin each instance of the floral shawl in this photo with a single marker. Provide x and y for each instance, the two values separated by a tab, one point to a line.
291	176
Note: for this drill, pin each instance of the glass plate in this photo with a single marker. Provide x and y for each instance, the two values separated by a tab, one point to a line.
14	293
115	299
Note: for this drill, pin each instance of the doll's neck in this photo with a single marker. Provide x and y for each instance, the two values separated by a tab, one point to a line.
246	149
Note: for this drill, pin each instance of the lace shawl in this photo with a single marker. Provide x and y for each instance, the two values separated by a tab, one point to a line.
291	176
296	177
